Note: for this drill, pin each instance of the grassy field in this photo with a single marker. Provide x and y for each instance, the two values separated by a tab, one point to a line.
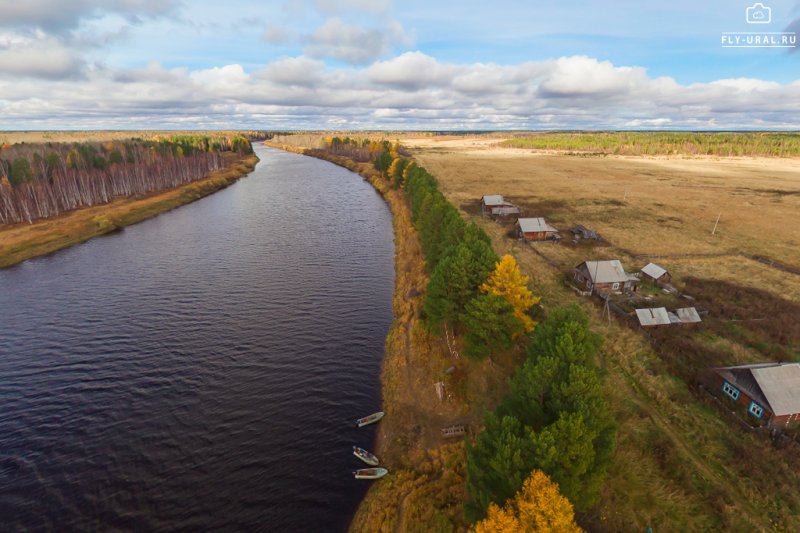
668	143
681	464
19	242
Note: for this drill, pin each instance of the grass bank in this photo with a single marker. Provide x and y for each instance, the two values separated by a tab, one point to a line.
19	242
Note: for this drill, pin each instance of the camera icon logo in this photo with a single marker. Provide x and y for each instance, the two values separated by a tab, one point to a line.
758	13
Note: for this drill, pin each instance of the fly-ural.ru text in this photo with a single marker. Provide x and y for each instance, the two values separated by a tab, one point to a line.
759	40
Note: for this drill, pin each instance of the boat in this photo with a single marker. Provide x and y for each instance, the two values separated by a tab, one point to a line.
370	473
371	419
365	456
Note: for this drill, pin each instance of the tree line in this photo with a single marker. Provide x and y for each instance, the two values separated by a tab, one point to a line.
554	423
44	180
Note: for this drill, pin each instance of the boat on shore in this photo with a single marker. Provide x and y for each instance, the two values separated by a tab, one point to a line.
370	473
371	419
365	456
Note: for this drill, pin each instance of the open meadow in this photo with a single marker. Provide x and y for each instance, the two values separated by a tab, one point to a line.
682	462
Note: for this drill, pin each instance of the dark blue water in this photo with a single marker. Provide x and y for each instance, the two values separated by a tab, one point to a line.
200	370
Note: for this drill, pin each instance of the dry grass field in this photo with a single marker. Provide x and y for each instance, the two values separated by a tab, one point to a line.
680	464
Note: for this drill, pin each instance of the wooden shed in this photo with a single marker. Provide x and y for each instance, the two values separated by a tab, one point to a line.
651	318
494	201
535	229
605	277
770	392
655	274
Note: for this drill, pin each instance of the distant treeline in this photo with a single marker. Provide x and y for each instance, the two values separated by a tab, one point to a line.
665	143
43	180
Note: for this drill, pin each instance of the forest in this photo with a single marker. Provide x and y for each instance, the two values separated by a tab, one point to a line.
722	144
39	181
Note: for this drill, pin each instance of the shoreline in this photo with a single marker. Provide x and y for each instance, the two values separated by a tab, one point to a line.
426	473
20	242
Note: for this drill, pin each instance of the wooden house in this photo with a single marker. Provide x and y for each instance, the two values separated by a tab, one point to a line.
535	229
493	201
656	274
770	392
605	277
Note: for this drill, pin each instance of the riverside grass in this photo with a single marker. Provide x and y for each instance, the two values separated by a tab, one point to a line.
19	242
680	464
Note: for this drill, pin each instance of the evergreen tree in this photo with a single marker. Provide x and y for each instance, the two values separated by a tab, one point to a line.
491	325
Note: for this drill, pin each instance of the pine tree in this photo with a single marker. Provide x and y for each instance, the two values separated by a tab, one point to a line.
491	325
507	281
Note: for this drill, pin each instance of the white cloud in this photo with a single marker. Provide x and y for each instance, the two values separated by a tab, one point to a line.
37	56
354	44
60	15
412	90
338	6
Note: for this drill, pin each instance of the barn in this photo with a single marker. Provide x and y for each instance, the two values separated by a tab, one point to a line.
656	274
769	391
605	277
490	202
535	229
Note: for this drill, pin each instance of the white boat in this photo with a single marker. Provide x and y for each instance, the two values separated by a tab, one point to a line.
370	473
371	419
365	456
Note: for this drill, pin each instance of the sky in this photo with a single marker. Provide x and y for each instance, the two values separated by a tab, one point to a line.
384	64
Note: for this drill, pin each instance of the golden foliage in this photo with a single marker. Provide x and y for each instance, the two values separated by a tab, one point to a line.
507	281
538	506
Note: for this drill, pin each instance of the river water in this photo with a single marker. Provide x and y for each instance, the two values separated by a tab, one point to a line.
200	370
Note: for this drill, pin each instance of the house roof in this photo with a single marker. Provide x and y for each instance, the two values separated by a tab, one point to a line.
777	384
507	209
606	271
532	225
653	270
657	316
688	315
493	199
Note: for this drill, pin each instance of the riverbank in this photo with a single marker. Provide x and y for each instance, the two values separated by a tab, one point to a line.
19	242
425	489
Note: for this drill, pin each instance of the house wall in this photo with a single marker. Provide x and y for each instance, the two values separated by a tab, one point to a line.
743	401
535	235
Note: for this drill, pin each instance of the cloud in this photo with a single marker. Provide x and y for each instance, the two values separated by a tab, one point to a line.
369	6
274	34
354	44
37	56
412	90
57	16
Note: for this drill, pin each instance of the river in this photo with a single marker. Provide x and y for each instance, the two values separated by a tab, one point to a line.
201	370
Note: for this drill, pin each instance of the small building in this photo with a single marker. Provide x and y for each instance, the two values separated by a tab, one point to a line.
650	318
581	232
493	201
688	315
656	274
769	391
505	211
535	229
605	277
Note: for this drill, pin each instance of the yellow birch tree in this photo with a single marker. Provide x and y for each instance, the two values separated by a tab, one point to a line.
507	281
538	507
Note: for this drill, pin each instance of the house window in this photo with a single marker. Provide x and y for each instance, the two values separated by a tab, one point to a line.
756	410
730	390
588	284
615	286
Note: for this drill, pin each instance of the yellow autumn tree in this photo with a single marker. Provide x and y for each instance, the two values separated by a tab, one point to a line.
507	281
538	507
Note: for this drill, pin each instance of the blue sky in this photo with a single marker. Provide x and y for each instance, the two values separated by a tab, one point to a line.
69	64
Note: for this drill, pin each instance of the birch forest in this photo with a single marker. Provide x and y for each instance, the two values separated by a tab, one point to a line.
44	180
